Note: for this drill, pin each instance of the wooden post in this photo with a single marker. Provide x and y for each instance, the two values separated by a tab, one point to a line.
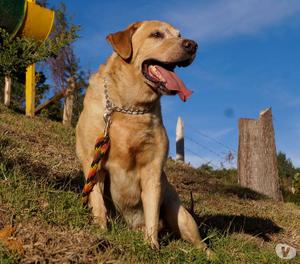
69	102
30	90
51	100
30	87
180	140
257	158
7	90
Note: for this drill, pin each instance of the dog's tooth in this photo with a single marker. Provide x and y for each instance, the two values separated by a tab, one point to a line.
156	73
153	69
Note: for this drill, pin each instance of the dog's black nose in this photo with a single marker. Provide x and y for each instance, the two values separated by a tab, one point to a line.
189	46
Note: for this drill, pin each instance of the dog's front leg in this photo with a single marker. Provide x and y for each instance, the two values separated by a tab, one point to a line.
97	204
151	199
96	200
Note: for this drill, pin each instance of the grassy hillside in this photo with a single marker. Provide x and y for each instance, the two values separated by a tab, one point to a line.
40	184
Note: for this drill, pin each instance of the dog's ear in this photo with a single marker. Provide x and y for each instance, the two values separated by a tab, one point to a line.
121	41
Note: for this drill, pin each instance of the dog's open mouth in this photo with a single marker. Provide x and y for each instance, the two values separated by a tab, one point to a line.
164	78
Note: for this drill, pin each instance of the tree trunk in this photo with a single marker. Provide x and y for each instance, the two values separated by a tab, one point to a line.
180	140
257	159
52	100
7	90
69	102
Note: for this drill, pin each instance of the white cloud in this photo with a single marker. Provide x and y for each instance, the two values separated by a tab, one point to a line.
223	18
296	160
93	48
279	91
197	161
220	133
288	99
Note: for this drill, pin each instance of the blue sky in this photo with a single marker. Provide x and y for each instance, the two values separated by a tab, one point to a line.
248	60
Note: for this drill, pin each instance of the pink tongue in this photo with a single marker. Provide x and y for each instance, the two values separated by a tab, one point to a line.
174	83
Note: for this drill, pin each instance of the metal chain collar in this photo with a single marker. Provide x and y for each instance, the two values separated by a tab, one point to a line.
110	107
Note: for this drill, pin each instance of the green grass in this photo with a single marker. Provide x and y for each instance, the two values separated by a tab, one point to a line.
40	189
31	199
8	257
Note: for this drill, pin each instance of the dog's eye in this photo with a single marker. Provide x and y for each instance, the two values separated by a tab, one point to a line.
157	34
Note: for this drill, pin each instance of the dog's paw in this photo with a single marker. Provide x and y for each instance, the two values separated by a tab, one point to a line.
152	241
101	222
154	245
211	255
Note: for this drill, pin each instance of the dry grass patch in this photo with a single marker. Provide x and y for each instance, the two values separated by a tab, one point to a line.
40	183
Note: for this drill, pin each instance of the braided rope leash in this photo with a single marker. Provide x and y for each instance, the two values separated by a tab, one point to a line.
101	149
102	145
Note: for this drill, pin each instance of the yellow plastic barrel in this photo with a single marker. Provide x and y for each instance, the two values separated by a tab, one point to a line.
12	15
38	22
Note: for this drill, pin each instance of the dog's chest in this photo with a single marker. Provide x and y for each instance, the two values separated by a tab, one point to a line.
136	141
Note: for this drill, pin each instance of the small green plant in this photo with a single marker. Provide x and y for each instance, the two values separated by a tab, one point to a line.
18	53
285	166
7	257
296	182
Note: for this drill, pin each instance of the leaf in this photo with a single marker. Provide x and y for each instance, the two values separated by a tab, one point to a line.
6	231
10	242
13	244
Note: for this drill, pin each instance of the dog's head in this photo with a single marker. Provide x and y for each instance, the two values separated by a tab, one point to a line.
155	48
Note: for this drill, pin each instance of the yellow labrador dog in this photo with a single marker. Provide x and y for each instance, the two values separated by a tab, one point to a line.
136	75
